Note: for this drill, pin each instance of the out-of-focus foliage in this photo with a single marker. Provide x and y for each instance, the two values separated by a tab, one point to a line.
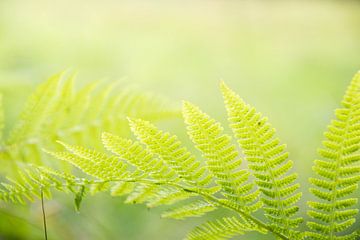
56	111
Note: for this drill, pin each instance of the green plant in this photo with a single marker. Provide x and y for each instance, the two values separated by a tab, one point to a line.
157	169
56	110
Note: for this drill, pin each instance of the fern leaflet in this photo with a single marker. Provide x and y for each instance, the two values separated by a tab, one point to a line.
268	161
338	172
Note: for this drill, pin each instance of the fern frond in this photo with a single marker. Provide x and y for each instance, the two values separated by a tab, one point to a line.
221	156
139	157
142	193
193	209
122	188
36	110
156	169
171	151
57	111
224	228
268	161
161	171
99	187
34	180
149	180
146	106
169	196
338	172
154	194
93	163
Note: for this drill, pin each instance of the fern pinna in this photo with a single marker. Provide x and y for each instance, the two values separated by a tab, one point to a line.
338	173
157	169
268	161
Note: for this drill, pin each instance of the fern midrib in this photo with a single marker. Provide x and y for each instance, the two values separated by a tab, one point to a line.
337	166
215	200
228	173
269	170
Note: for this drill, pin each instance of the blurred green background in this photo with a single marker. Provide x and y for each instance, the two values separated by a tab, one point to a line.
290	59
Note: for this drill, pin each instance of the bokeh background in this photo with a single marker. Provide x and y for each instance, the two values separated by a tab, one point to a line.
290	59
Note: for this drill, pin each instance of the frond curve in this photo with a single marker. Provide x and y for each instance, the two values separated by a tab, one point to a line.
221	157
171	151
268	161
338	172
219	229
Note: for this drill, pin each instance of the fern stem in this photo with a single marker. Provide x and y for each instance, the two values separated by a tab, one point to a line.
206	196
332	234
253	219
43	213
242	213
200	192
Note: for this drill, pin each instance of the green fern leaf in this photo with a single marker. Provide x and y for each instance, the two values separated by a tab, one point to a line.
170	150
36	110
136	155
122	188
268	161
79	197
338	172
224	228
142	193
34	180
157	170
193	209
222	158
99	187
57	111
93	163
168	196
